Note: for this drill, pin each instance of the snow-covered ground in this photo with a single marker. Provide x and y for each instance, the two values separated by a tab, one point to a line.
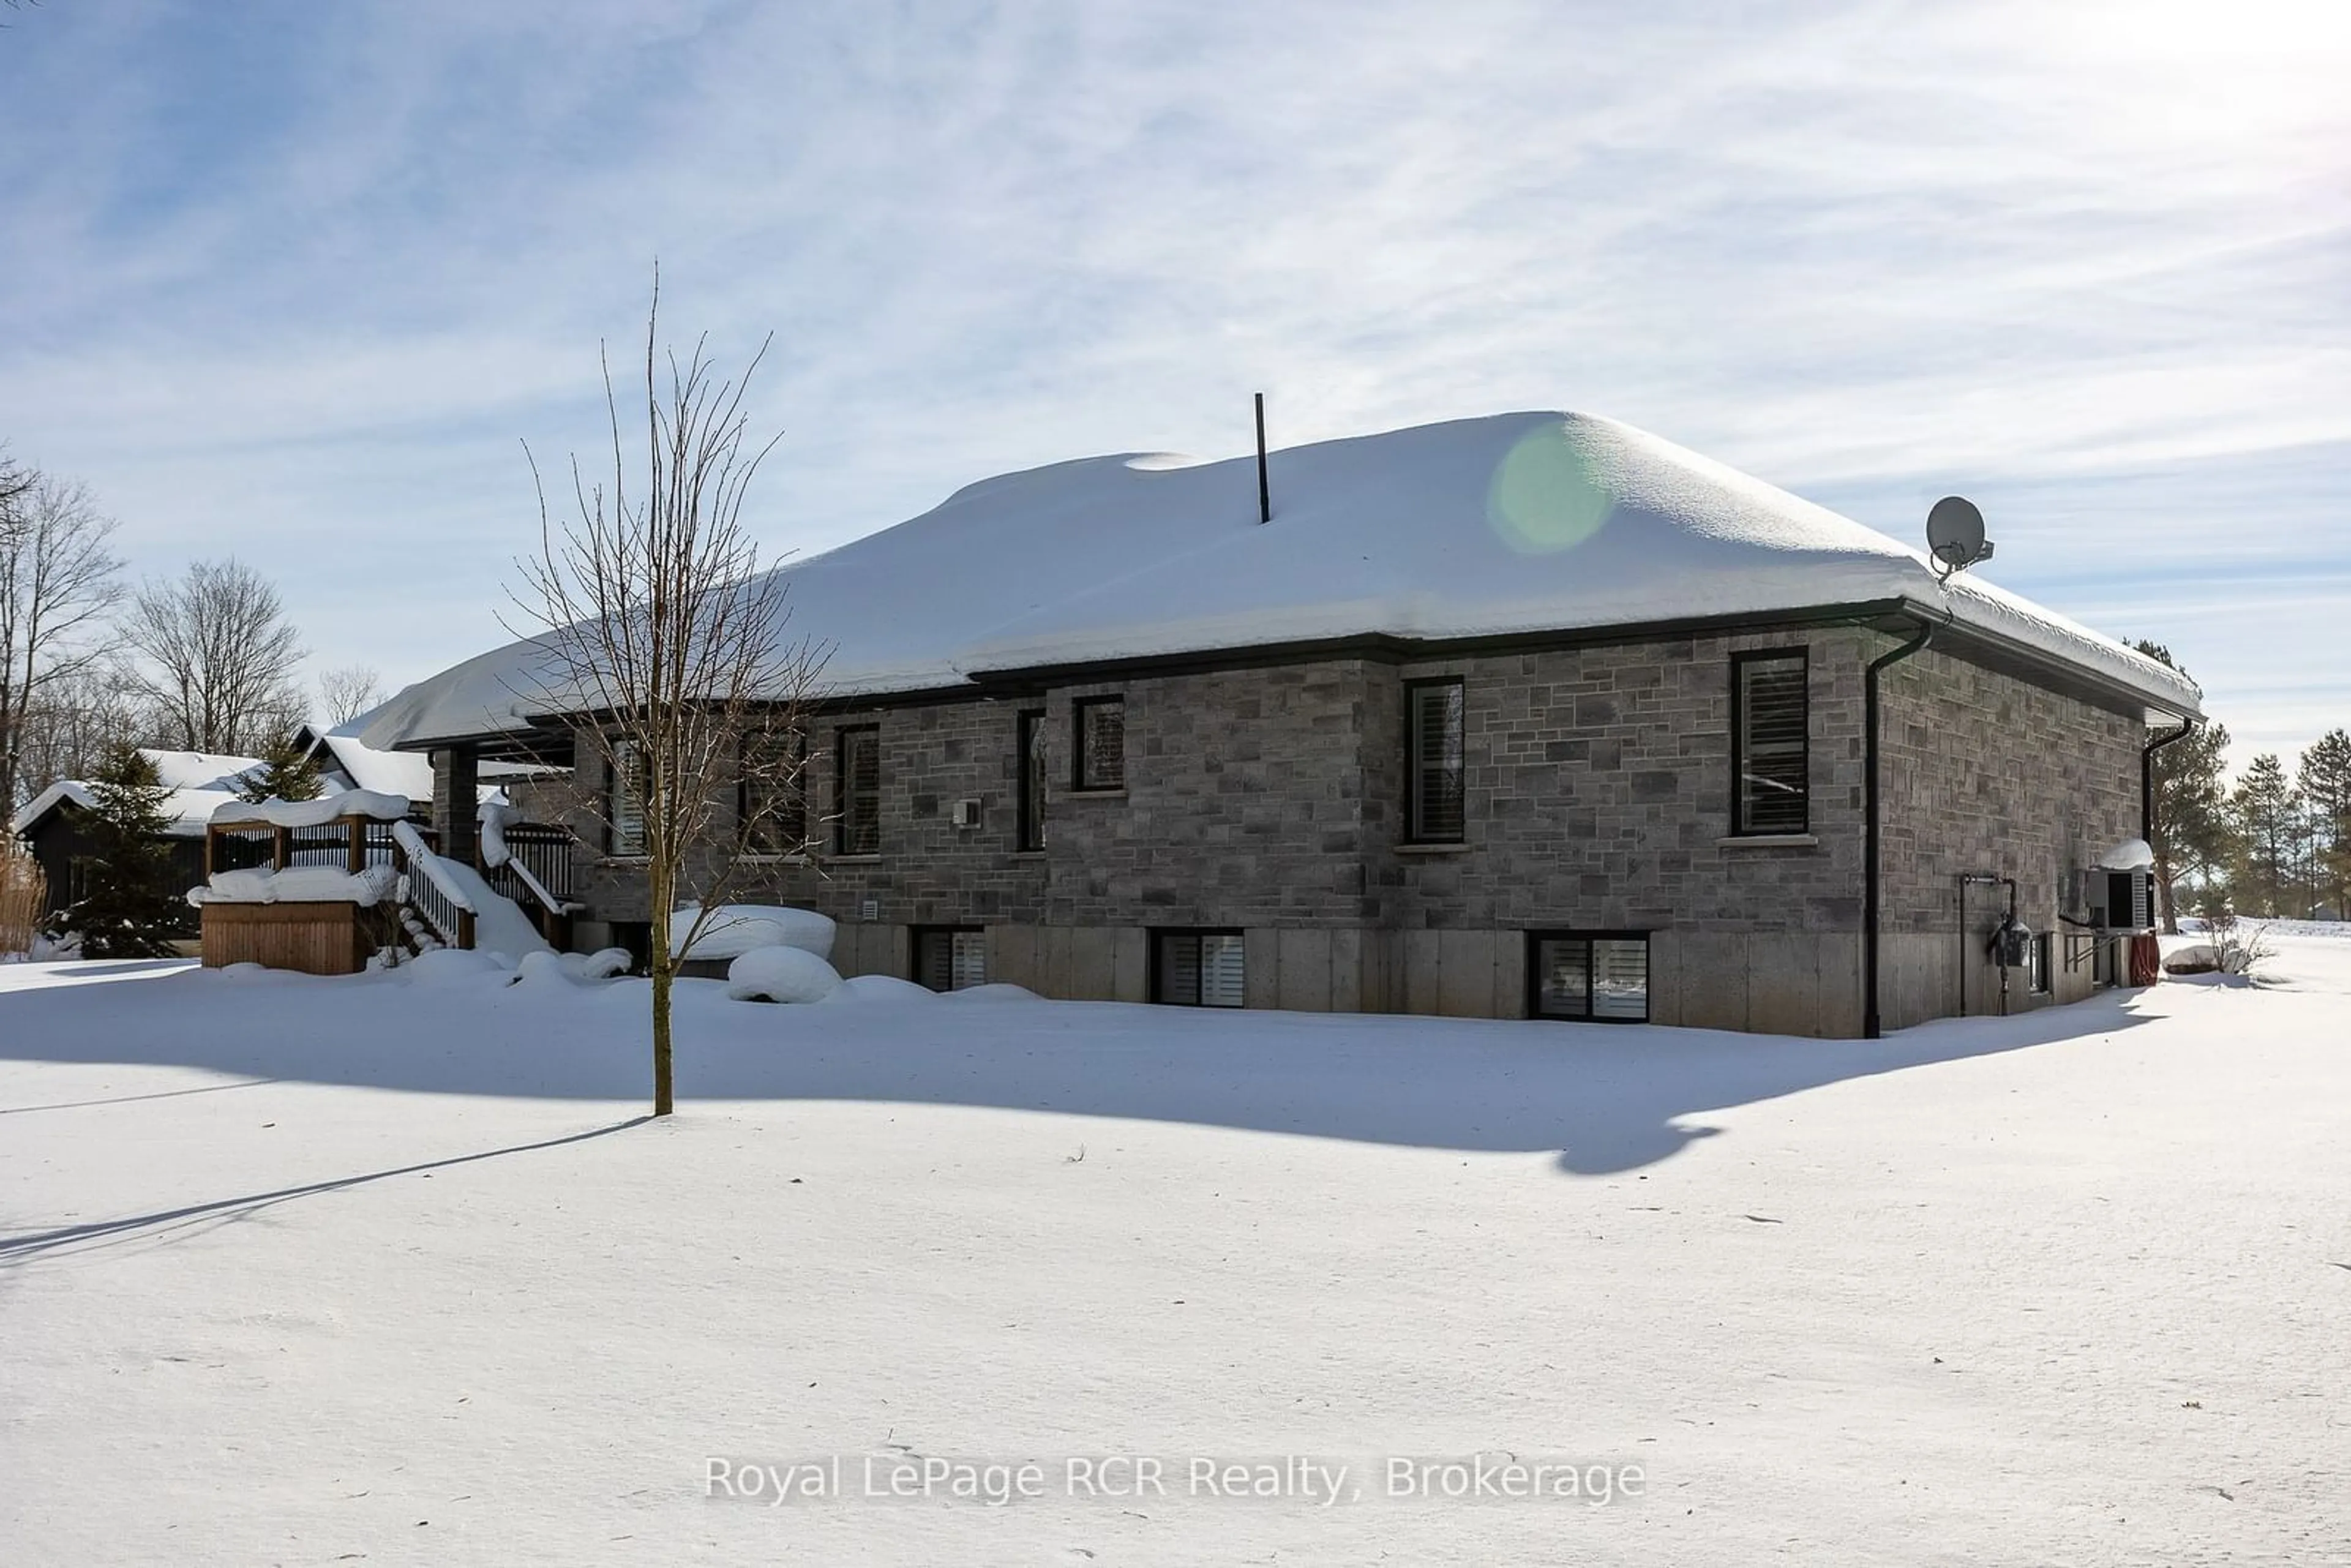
385	1269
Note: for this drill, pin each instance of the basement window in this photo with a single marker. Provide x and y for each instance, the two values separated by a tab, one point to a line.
1197	968
951	958
1603	977
1770	769
1435	765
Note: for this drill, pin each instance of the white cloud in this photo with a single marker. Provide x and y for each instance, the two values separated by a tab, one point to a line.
299	291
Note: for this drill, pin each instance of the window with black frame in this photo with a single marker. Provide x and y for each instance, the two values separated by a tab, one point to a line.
1600	976
1030	744
1099	743
950	958
770	804
857	790
1199	968
625	801
1770	761
1435	763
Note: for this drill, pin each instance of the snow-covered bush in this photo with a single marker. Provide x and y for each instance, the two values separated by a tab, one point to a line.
881	989
601	965
2236	947
997	991
780	975
736	929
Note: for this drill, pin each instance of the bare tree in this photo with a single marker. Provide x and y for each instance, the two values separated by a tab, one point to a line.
76	721
348	691
220	656
656	623
57	583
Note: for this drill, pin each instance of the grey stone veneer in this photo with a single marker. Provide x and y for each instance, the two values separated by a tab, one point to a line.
1270	799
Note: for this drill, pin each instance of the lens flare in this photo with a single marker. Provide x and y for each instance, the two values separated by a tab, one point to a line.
1544	496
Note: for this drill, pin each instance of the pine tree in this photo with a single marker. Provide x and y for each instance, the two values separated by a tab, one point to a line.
2324	777
131	906
286	773
2264	807
2193	835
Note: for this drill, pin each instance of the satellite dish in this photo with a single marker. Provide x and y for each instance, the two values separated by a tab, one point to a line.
1955	533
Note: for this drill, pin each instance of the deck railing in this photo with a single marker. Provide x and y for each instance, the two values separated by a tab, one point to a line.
537	876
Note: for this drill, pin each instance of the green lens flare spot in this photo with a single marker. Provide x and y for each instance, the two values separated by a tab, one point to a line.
1545	497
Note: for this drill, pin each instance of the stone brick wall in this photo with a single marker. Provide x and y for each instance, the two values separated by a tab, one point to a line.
1598	798
1988	773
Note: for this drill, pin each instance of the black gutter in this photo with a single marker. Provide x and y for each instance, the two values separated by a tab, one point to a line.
1869	876
2146	776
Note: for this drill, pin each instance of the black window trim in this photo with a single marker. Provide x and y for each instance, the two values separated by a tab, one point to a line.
613	847
915	947
1801	653
795	739
1028	816
840	735
1154	965
1078	710
1535	938
1411	827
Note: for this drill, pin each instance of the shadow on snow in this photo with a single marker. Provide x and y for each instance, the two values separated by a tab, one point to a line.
1603	1098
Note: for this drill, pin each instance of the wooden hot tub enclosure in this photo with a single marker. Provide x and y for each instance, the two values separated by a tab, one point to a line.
321	938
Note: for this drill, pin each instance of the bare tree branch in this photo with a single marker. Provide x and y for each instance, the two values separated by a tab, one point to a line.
220	656
658	628
58	584
348	691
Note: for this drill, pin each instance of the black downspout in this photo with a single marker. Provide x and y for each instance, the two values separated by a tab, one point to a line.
1869	1013
2147	791
2146	776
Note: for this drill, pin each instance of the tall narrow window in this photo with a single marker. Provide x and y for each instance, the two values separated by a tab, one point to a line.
1031	762
1768	721
951	958
857	791
1434	794
625	801
769	799
1199	968
1101	743
1601	977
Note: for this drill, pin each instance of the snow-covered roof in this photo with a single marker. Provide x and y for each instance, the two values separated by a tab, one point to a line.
198	782
1514	523
200	770
189	809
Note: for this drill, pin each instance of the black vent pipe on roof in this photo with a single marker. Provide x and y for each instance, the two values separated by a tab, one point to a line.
1264	487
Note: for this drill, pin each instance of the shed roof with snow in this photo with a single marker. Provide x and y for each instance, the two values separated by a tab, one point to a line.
1512	525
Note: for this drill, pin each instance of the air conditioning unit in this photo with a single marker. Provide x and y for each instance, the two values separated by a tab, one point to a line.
967	813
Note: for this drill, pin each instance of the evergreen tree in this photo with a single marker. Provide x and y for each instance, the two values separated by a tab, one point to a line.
2264	808
2193	836
2324	777
286	773
131	906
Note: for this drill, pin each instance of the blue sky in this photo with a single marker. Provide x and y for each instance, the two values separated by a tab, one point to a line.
295	281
